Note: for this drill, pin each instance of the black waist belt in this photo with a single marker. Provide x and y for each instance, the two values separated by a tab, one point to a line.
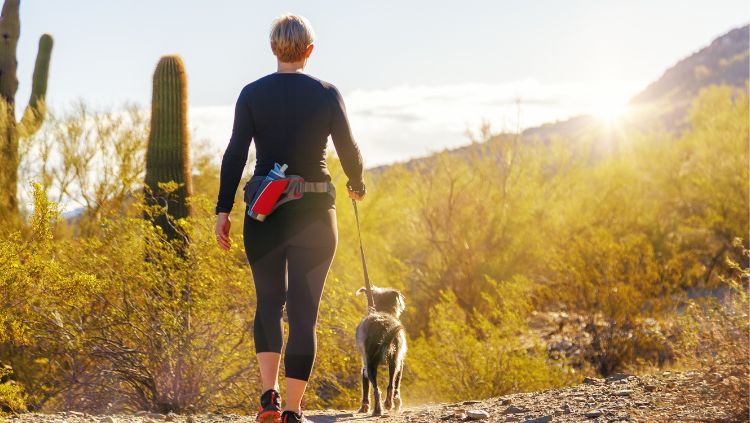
297	184
294	190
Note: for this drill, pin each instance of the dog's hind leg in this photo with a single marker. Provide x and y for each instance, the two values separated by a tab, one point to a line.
391	376
365	407
397	388
372	374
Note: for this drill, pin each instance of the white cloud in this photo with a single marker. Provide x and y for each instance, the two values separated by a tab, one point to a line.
401	122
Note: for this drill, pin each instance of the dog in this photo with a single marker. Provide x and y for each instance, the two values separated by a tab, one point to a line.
381	339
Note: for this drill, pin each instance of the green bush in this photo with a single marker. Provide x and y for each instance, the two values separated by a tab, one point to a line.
481	353
12	397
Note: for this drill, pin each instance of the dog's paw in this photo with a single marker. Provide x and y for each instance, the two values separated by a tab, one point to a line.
365	408
397	403
377	412
388	404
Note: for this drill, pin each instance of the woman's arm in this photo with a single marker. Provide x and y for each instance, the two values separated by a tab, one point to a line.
235	156
346	147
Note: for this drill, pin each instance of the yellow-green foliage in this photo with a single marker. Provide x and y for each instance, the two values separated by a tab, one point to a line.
12	397
716	335
642	230
476	242
482	353
89	324
32	283
33	288
90	159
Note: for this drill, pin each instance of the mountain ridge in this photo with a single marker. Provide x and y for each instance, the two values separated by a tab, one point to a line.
663	103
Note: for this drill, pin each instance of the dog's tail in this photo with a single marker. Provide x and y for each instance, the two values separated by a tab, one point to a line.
378	350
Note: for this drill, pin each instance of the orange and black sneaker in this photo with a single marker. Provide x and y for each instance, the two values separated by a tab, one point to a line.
270	407
289	416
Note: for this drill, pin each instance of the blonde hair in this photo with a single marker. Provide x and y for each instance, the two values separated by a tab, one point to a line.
290	36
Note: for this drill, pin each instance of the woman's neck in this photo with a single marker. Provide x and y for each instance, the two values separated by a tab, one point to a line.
290	67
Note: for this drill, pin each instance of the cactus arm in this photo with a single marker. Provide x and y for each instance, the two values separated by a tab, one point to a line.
35	110
10	131
10	30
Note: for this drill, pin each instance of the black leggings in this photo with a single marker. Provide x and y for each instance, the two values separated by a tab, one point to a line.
290	254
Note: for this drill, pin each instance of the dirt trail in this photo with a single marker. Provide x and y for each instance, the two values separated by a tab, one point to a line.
672	397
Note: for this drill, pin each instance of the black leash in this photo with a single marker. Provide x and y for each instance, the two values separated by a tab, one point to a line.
368	289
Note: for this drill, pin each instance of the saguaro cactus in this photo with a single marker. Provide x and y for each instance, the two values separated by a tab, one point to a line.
168	154
10	130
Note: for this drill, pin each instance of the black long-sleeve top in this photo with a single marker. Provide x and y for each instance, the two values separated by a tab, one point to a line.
290	116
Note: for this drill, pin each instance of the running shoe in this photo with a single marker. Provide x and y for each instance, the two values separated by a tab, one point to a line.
289	416
270	407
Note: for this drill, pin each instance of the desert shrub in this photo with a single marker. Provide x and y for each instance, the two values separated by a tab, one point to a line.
171	330
480	353
615	290
12	396
88	158
32	285
95	326
647	229
716	336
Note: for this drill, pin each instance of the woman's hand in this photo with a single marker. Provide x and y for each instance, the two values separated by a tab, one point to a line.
356	196
222	231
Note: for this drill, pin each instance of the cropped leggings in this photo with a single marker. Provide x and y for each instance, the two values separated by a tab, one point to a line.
290	254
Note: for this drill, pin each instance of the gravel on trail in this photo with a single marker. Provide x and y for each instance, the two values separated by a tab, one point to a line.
664	397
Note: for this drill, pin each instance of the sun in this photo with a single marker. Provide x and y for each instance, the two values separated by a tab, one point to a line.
610	112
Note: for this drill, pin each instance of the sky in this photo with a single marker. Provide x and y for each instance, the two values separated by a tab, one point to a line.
415	75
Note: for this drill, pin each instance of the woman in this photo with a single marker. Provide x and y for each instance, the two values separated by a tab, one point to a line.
290	115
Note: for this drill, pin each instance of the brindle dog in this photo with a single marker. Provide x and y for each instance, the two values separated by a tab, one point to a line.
381	339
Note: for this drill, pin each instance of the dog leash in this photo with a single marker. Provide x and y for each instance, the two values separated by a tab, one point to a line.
368	289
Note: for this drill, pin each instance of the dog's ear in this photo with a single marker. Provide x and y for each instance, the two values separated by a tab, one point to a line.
360	290
401	302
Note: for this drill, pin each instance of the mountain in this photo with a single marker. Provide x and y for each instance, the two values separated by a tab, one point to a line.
724	61
662	104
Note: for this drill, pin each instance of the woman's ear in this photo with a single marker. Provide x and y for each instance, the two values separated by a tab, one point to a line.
309	50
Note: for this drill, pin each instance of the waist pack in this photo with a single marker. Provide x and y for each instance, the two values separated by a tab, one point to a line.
263	197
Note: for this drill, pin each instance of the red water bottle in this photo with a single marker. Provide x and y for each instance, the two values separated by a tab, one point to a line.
268	193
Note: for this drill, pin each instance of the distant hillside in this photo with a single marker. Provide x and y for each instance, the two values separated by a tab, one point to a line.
663	103
724	61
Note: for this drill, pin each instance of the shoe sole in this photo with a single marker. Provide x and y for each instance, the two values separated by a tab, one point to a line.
270	416
305	420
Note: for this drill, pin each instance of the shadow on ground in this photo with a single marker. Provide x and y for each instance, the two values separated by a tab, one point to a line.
331	416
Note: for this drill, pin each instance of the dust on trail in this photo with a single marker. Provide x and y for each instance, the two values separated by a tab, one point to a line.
668	396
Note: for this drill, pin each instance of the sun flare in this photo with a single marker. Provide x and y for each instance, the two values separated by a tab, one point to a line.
610	112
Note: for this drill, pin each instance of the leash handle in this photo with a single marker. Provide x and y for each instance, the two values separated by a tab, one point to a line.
368	289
